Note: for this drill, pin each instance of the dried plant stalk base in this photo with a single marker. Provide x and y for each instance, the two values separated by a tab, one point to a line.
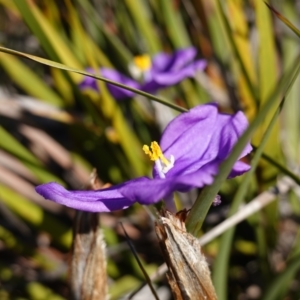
88	279
188	273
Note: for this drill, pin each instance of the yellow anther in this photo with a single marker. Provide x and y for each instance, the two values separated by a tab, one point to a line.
147	151
155	153
143	62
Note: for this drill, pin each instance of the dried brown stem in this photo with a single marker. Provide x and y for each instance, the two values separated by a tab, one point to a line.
188	273
88	279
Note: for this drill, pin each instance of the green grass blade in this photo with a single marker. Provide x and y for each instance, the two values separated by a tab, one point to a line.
95	21
291	113
66	68
174	24
280	167
220	269
141	16
10	5
284	279
240	34
217	33
284	20
11	145
50	39
267	74
37	87
236	52
200	208
38	291
33	24
36	216
84	43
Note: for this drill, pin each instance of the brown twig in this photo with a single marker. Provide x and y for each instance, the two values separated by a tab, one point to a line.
88	276
188	273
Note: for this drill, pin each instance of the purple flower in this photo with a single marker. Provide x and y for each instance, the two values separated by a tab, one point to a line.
164	70
191	149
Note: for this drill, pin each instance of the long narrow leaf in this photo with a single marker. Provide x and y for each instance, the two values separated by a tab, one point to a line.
291	113
267	74
37	87
175	25
237	54
13	146
66	68
49	38
284	20
222	260
141	15
34	215
200	208
282	280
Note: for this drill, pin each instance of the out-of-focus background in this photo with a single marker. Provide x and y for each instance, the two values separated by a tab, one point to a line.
51	130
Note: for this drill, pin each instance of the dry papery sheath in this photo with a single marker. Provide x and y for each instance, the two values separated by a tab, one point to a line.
87	273
188	273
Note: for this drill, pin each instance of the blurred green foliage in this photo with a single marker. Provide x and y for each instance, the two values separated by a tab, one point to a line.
50	130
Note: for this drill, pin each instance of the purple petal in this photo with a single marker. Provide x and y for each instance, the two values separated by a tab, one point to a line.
167	78
163	62
239	124
239	168
187	138
104	200
181	58
143	190
89	82
229	129
160	62
148	191
200	64
202	137
117	93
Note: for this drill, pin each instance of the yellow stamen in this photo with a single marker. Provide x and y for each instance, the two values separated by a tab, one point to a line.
143	62
155	153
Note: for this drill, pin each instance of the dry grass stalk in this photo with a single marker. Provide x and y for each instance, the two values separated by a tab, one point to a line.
188	273
88	279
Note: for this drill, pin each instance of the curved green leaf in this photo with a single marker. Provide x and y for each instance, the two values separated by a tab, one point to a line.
66	68
200	208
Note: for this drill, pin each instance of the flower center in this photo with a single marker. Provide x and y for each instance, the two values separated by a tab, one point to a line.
143	62
163	165
140	66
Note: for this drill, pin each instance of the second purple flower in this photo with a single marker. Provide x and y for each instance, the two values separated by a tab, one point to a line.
162	71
